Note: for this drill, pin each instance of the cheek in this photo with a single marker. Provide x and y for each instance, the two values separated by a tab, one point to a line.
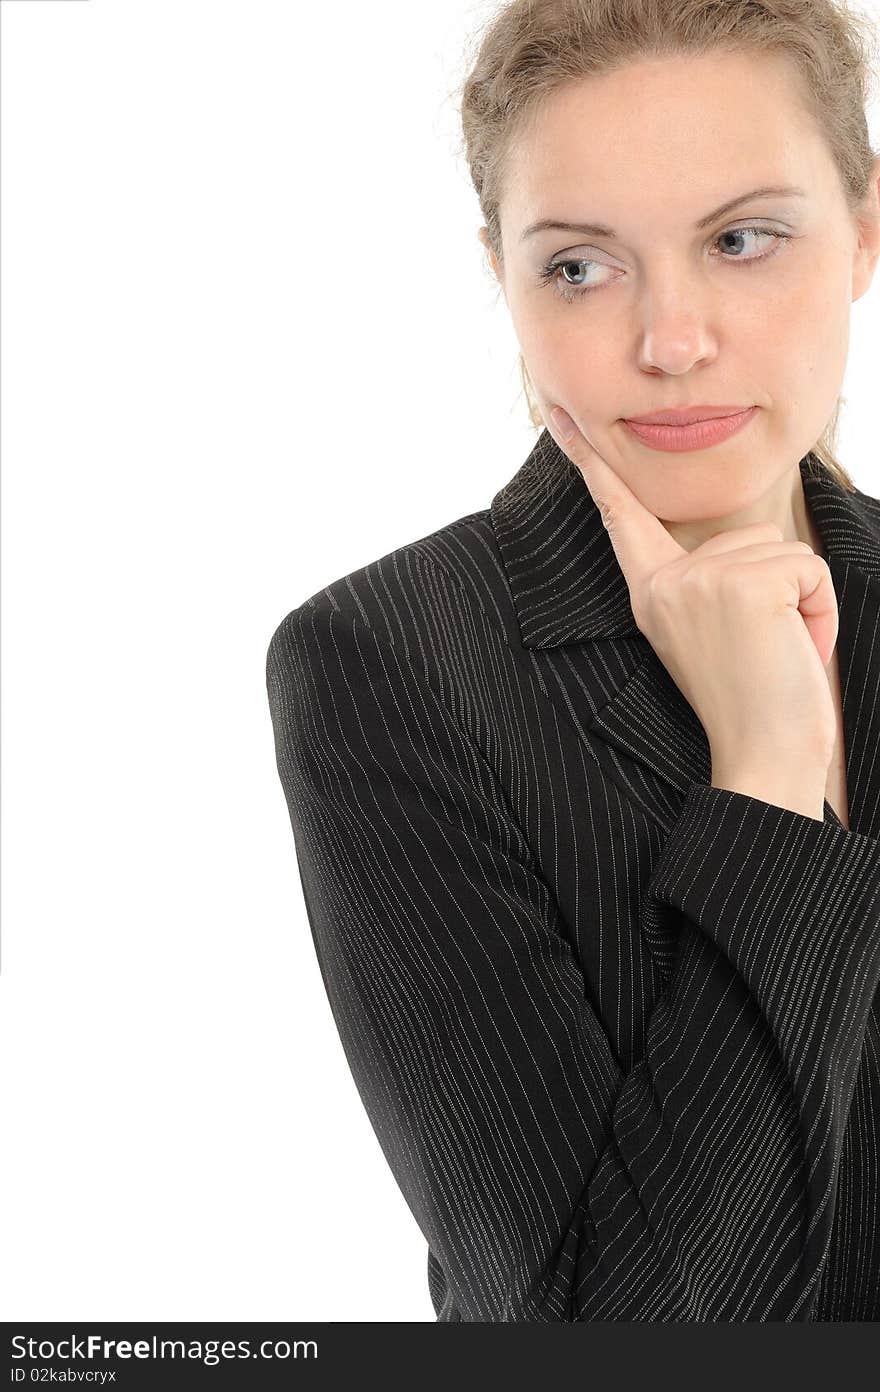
570	363
826	339
584	386
558	342
805	358
811	320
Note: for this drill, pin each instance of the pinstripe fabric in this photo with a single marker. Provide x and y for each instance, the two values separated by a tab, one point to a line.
616	1030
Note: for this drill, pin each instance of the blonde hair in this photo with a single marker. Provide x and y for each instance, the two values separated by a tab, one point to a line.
532	48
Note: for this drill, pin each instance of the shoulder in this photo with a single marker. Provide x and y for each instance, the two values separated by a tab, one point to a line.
414	594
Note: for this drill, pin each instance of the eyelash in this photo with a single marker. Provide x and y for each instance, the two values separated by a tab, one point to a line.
574	292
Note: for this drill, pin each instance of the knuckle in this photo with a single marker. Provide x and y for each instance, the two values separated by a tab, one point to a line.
659	594
694	579
732	577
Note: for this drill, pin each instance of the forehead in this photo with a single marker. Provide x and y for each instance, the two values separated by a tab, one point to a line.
668	132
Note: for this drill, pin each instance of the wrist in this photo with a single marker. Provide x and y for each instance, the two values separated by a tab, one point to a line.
797	786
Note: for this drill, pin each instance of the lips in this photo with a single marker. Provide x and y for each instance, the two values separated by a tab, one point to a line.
686	415
700	434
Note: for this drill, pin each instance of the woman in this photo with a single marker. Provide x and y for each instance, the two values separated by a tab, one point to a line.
585	786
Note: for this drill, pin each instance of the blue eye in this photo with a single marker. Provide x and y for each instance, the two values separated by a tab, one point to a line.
549	273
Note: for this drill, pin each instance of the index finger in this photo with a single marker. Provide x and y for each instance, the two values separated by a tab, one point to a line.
641	542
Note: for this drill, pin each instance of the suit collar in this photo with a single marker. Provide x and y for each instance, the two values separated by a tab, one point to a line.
564	576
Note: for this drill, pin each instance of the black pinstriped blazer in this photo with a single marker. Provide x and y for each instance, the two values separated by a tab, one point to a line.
616	1030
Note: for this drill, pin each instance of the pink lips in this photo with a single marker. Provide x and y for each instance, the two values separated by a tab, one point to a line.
698	435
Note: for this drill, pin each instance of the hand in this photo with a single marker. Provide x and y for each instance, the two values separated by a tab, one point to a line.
745	624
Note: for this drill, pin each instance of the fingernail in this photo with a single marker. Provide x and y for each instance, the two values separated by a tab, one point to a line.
562	422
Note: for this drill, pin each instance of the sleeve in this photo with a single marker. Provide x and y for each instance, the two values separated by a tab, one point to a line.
550	1185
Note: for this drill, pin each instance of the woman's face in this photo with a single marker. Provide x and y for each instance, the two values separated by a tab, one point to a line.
665	312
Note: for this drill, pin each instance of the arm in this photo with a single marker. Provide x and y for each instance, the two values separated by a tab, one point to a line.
549	1185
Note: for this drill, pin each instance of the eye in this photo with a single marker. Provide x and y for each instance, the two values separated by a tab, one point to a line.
568	290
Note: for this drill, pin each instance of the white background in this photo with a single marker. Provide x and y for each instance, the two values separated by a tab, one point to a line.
241	282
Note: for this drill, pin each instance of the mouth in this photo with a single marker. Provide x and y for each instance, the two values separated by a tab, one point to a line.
687	415
697	434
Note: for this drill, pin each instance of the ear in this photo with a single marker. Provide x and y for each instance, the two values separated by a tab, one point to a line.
483	235
868	249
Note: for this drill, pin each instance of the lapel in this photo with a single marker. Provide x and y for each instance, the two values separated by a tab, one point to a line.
570	595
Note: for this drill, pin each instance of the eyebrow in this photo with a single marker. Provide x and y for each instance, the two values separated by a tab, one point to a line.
595	229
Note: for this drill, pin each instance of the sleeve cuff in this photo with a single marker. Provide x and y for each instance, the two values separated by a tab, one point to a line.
733	860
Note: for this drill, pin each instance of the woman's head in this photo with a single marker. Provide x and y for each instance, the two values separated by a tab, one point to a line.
645	116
